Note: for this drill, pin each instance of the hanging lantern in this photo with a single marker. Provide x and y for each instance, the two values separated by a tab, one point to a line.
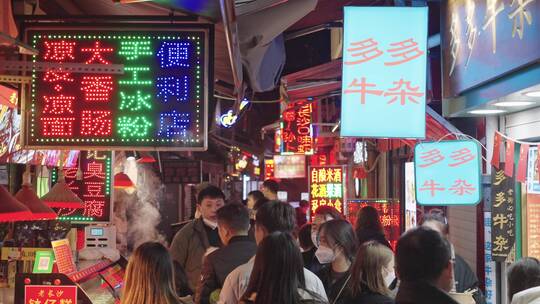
122	181
11	210
29	198
40	211
61	196
146	159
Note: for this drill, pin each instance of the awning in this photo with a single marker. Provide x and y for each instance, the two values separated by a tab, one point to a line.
325	80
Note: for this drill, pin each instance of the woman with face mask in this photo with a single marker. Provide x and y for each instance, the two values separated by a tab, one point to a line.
371	274
337	248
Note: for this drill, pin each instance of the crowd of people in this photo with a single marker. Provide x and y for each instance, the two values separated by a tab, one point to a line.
257	253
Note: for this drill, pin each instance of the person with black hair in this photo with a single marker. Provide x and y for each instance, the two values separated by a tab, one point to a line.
270	189
424	267
306	244
253	199
190	244
271	217
301	213
336	252
369	227
321	215
524	281
278	275
464	278
233	226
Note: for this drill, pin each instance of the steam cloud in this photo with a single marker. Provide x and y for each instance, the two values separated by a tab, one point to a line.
137	214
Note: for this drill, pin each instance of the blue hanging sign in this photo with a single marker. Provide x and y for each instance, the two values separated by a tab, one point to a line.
448	173
384	72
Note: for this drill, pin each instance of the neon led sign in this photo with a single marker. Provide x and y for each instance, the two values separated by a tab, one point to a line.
160	102
94	187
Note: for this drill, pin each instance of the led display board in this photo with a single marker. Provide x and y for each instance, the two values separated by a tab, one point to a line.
93	187
296	128
159	102
326	187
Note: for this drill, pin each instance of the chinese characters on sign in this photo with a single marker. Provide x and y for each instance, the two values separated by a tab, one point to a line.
268	169
159	101
501	32
181	172
389	215
384	73
48	294
289	166
326	187
296	129
502	214
94	188
447	173
533	225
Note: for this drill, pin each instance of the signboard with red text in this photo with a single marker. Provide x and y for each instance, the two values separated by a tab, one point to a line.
448	173
49	294
159	102
296	128
94	188
326	187
384	72
389	215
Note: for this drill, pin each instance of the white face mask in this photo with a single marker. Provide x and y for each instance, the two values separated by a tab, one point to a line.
389	278
315	238
325	255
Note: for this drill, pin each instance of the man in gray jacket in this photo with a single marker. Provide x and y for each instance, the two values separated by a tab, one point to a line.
195	238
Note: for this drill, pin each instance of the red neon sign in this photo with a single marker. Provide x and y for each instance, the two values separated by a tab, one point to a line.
47	294
296	128
94	188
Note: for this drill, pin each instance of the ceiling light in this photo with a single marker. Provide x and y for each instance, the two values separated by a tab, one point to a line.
514	103
532	93
486	112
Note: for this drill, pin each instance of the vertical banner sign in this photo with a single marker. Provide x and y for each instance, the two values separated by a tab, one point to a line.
268	169
94	189
502	214
533	225
159	102
384	72
48	294
490	272
326	187
447	173
296	128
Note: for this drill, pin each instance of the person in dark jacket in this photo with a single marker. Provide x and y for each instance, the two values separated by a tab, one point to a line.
369	227
336	252
424	267
306	244
464	277
192	241
371	274
233	226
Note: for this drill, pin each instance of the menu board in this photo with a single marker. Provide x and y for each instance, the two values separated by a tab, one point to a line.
159	102
63	256
533	225
181	172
